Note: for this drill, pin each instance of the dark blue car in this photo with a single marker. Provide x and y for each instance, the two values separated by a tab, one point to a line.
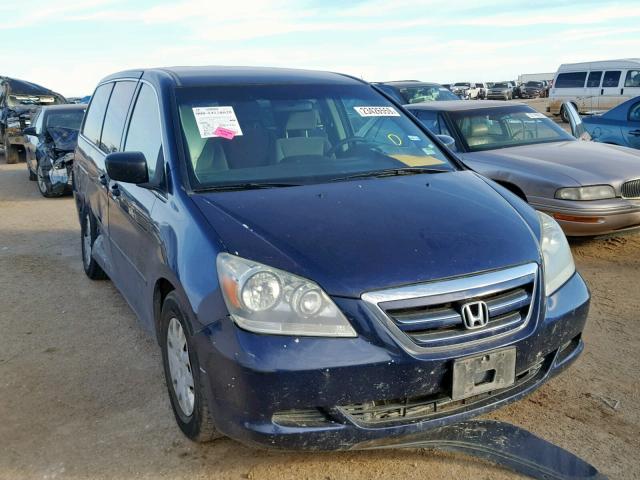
319	272
618	126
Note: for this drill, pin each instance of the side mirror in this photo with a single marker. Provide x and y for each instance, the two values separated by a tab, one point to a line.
29	131
127	167
577	127
448	141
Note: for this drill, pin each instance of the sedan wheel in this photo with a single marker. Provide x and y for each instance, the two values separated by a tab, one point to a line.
180	367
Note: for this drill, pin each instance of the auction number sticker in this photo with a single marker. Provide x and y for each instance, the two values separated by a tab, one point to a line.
376	111
217	122
536	115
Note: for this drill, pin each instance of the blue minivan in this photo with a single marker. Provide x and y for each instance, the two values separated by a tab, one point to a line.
319	271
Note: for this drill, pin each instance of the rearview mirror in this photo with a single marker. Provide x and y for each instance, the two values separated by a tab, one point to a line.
29	131
127	167
448	141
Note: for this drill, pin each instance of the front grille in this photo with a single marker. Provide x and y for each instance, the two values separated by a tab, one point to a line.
430	315
410	410
631	189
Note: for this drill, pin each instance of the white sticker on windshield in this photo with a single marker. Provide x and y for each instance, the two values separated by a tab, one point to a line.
413	138
536	115
217	122
376	111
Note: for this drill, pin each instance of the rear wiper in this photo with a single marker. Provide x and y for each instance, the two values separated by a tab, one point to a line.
391	172
245	186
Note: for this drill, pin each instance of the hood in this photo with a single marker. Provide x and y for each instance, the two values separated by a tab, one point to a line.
356	236
583	163
63	138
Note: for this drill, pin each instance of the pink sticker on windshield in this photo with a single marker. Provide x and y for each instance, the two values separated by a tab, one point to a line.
224	133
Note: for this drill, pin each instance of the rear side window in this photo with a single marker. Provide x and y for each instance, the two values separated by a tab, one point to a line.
571	80
594	79
144	129
611	78
116	116
95	115
632	79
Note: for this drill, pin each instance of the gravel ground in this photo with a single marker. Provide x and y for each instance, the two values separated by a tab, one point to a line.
82	393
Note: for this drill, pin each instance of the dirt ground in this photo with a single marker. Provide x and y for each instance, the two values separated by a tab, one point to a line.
82	393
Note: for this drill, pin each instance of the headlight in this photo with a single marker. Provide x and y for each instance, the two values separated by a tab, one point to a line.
263	299
595	192
556	254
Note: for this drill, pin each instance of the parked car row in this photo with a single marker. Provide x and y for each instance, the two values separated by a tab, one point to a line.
306	245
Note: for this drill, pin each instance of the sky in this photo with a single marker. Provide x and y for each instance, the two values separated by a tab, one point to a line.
69	45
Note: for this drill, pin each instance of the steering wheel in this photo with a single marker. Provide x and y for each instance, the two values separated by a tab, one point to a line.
346	141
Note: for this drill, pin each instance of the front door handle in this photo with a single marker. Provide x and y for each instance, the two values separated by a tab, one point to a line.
602	91
635	133
104	181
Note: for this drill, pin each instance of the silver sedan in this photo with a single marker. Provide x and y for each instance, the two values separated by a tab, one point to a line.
589	188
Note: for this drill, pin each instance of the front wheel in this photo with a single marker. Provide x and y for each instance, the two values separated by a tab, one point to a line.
564	115
44	182
182	374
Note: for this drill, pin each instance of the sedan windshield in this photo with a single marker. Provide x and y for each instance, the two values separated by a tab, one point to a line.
276	135
427	93
500	85
510	126
534	84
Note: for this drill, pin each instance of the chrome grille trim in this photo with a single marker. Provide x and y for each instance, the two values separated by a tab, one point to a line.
425	317
631	189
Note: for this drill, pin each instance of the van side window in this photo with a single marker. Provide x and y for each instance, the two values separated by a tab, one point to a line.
594	79
116	116
571	80
611	78
95	114
144	133
633	79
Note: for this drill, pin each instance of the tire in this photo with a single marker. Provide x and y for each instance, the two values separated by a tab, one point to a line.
10	152
563	115
88	235
44	183
187	394
32	176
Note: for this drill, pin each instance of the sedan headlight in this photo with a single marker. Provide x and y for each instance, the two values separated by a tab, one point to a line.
556	254
595	192
264	299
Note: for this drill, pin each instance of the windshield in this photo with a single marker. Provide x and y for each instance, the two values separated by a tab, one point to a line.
308	134
533	84
500	85
17	99
66	119
490	128
461	84
426	93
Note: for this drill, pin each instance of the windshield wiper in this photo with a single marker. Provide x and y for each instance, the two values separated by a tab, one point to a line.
391	172
245	186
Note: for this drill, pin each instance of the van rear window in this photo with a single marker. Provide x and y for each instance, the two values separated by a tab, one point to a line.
571	80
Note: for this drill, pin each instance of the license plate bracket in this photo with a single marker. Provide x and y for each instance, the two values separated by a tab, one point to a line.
483	373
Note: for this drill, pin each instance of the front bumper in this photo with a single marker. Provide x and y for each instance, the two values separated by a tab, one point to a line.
262	388
498	96
589	218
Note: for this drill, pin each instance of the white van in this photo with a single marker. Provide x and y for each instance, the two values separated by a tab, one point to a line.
594	86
